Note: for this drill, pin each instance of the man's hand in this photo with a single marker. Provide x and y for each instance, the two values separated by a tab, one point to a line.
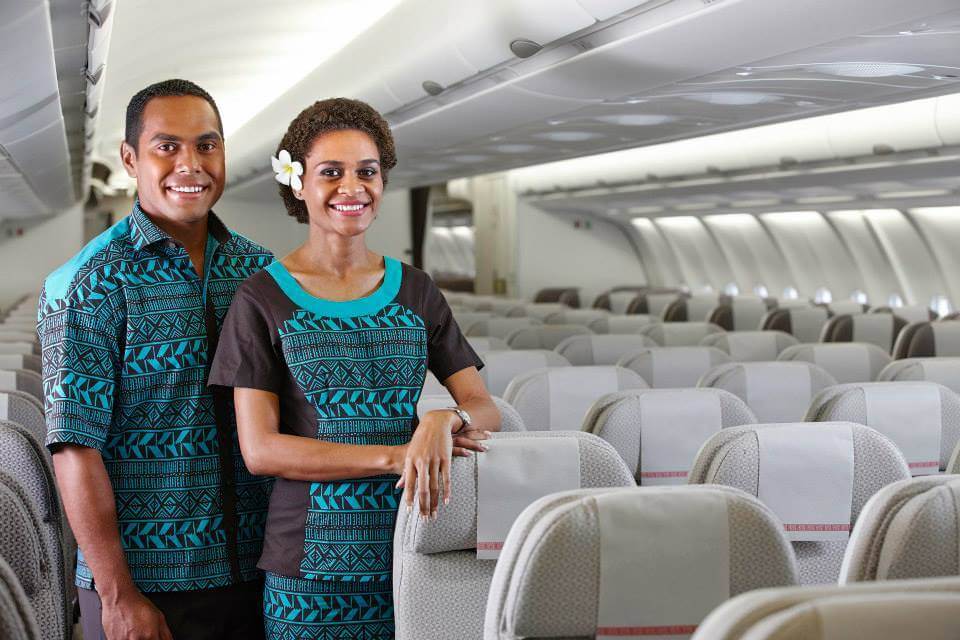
133	617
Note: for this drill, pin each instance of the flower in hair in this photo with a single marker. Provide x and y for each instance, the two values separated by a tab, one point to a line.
287	171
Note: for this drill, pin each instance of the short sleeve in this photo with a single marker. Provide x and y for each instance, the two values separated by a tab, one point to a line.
248	353
81	368
447	349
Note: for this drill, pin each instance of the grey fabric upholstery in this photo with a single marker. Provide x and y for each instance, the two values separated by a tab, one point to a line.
546	336
576	316
929	339
847	403
740	313
23	544
483	344
734	378
466	319
25	410
507	307
569	296
680	334
17	619
22	380
622	324
531	394
735	617
501	367
546	584
26	360
617	300
845	361
583	350
910	312
945	371
510	420
696	308
541	310
732	457
901	346
750	346
653	304
880	329
909	529
618	419
847	307
803	323
499	327
675	367
435	561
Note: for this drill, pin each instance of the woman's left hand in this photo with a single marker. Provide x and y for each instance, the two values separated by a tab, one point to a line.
427	462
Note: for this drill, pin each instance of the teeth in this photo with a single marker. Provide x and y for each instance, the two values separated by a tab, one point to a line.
187	189
348	207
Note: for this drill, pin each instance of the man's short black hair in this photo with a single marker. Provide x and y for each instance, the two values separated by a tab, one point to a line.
165	89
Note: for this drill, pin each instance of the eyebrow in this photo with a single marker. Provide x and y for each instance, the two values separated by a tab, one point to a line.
167	137
338	163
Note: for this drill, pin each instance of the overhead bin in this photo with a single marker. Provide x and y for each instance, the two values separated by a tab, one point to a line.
896	127
948	119
605	9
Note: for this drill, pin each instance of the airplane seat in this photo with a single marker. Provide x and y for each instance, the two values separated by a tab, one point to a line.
653	304
945	371
576	316
887	610
25	410
541	310
845	361
750	346
910	312
921	418
585	350
28	361
618	299
953	315
658	432
546	336
644	561
466	319
506	308
558	398
23	380
880	329
803	323
510	420
20	348
17	619
482	344
691	309
847	307
435	561
569	296
673	367
741	313
499	327
500	367
909	529
774	391
929	339
816	477
679	334
25	545
622	324
8	333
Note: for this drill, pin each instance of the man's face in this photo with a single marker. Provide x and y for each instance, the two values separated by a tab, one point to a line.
179	159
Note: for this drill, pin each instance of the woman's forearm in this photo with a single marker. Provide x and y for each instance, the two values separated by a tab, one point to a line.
298	458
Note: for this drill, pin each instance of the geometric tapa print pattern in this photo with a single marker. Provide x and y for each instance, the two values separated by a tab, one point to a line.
363	376
143	401
298	609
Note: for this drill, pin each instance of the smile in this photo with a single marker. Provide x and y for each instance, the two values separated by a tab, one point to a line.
194	189
348	208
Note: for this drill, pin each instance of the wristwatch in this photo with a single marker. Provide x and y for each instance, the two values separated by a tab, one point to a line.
463	415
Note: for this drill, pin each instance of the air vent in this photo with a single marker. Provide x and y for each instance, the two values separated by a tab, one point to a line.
431	87
525	48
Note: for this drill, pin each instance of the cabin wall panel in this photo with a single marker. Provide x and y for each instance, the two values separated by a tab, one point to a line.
941	228
879	278
909	255
702	261
659	260
750	251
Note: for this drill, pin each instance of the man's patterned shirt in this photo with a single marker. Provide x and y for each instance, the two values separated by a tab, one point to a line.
128	331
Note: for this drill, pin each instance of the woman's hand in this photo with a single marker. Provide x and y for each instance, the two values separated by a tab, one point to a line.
469	439
427	462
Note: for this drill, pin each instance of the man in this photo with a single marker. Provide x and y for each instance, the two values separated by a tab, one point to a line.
168	520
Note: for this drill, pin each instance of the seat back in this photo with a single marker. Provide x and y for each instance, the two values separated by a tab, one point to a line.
510	420
880	329
803	323
569	296
909	529
482	344
673	367
679	334
745	615
945	371
466	319
741	313
25	410
501	367
690	309
22	380
653	304
910	312
583	350
921	418
733	457
774	391
433	559
750	346
558	398
541	310
17	619
500	327
546	336
576	316
709	543
672	422
846	361
929	339
622	324
847	307
14	348
508	307
617	301
28	361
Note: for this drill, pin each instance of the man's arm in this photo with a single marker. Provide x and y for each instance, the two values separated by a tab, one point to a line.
89	503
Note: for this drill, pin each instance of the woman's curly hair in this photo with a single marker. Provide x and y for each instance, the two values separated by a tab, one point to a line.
334	114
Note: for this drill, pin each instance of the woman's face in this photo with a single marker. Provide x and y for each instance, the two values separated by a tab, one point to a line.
342	183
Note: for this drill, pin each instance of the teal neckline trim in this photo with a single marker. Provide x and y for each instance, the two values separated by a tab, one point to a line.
385	293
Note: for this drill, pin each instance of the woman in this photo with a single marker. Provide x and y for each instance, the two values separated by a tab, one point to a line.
326	351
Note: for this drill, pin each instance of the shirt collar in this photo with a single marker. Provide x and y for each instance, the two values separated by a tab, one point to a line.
143	231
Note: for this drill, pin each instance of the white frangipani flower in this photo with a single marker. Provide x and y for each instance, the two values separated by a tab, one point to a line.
287	171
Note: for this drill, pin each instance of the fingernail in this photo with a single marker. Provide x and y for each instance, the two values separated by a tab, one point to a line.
483	448
446	501
433	516
409	508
